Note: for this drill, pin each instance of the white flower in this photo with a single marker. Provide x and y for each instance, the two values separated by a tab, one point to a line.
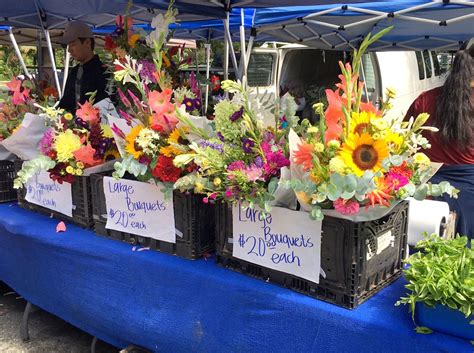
130	69
148	139
160	24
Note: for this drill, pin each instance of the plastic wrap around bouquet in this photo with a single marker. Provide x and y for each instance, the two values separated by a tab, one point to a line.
357	163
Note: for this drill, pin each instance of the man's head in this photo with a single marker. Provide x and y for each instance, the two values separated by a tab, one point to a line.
80	40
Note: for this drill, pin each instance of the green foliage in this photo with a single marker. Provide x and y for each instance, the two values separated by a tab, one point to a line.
441	273
30	168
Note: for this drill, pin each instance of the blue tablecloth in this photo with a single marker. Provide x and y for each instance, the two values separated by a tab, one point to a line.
168	304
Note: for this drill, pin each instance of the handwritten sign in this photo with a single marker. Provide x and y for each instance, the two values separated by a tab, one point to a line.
285	240
42	191
139	208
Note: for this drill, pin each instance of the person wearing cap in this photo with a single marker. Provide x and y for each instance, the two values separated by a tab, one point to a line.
89	75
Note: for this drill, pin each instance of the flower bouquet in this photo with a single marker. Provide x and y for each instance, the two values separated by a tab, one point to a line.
357	157
70	145
243	159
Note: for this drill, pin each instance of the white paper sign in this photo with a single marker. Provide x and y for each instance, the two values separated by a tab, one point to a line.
43	191
285	240
139	208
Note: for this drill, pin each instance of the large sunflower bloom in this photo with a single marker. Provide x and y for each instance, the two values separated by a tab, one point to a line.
362	152
131	147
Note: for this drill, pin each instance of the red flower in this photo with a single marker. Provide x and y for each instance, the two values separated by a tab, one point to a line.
109	44
165	170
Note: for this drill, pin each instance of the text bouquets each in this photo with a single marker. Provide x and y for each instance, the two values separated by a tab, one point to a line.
357	156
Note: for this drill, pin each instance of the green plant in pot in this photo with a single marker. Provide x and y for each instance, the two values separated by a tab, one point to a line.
441	286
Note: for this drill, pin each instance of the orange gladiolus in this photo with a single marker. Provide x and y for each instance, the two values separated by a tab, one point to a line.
304	156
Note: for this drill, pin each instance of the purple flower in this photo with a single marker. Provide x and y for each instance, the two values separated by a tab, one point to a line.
197	103
148	69
237	115
259	162
81	123
189	104
247	145
220	136
47	141
144	160
214	146
268	136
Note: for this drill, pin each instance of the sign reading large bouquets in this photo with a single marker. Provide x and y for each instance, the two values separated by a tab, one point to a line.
139	208
283	240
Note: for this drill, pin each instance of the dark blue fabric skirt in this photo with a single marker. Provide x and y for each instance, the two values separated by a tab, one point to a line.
462	178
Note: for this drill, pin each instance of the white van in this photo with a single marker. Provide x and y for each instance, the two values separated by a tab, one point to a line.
307	72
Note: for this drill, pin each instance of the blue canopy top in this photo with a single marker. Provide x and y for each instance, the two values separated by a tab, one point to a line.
418	24
56	13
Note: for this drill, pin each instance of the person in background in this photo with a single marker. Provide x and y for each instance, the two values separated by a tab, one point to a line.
89	75
451	109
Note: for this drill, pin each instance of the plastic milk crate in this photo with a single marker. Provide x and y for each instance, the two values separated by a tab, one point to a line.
194	223
7	175
81	201
354	267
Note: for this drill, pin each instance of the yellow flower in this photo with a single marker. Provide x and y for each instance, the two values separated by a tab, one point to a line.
334	144
173	140
337	165
319	147
15	130
394	141
166	61
376	136
132	41
313	130
79	172
303	197
421	159
390	92
360	121
65	144
379	124
80	165
130	147
362	152
111	155
68	116
217	181
198	187
106	131
69	169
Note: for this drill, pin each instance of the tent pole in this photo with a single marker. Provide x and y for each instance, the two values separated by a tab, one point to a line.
66	68
226	60
243	59
231	47
208	60
18	53
53	62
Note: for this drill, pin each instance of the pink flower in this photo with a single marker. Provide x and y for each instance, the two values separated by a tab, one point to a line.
346	207
46	142
237	165
397	181
275	161
157	100
253	173
228	193
88	113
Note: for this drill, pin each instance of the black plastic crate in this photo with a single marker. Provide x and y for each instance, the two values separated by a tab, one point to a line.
353	269
81	202
7	175
194	223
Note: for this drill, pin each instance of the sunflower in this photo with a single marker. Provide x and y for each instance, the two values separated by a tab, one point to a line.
360	122
131	147
172	150
362	152
111	155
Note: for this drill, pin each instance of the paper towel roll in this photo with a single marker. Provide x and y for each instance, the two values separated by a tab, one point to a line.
425	216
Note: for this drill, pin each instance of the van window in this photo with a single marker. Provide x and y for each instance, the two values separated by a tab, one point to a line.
445	60
260	69
427	60
437	68
421	66
369	76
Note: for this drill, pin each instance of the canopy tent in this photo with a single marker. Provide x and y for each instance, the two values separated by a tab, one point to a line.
418	25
